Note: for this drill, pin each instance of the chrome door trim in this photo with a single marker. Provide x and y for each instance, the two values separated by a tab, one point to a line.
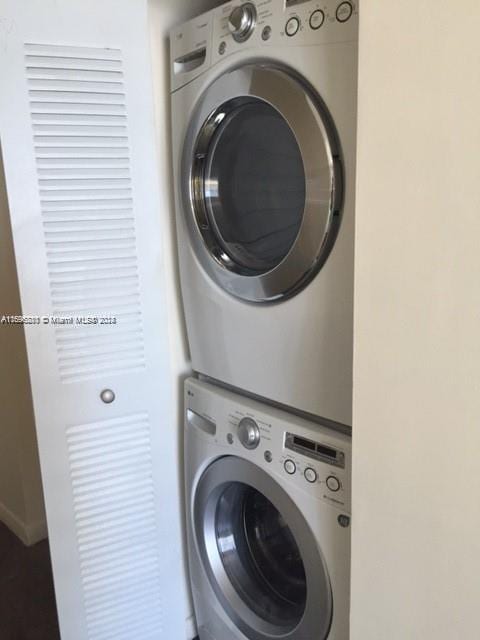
317	617
314	130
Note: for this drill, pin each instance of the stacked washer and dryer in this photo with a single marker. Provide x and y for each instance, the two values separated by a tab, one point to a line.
264	128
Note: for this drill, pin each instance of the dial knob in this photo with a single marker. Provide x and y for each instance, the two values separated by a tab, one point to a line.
248	433
242	21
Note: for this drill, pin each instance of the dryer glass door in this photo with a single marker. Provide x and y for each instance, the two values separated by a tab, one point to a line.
255	187
263	182
260	555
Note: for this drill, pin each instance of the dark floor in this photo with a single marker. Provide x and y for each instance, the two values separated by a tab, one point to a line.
27	601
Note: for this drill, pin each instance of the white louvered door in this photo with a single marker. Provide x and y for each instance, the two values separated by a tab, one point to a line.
78	147
80	132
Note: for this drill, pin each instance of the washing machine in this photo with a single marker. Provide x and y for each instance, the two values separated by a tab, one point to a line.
268	520
263	116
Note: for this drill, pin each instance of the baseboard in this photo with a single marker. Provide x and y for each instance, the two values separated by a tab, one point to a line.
29	534
36	531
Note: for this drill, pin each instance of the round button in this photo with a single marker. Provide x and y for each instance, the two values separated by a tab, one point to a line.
248	433
242	21
268	456
310	474
230	438
317	19
292	26
222	48
333	483
344	11
266	33
107	396
343	520
289	466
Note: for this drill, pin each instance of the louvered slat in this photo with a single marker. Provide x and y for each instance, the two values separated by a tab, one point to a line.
111	471
78	113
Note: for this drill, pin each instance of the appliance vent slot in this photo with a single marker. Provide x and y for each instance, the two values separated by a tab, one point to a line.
117	534
79	120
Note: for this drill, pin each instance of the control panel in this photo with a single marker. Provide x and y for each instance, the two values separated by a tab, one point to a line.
241	24
313	457
282	22
326	474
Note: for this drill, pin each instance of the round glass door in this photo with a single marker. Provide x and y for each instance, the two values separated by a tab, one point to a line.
263	183
260	555
261	558
255	187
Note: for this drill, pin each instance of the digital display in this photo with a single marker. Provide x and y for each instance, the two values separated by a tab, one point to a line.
293	3
315	450
326	451
303	442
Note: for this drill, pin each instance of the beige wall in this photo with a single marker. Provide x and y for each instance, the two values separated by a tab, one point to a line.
416	479
21	499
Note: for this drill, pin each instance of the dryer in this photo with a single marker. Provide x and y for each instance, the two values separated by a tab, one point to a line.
263	117
268	520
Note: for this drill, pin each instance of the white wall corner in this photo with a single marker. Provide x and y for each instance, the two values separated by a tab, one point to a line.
29	533
36	531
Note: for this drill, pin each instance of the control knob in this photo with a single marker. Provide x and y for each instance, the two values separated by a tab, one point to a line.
241	22
248	433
